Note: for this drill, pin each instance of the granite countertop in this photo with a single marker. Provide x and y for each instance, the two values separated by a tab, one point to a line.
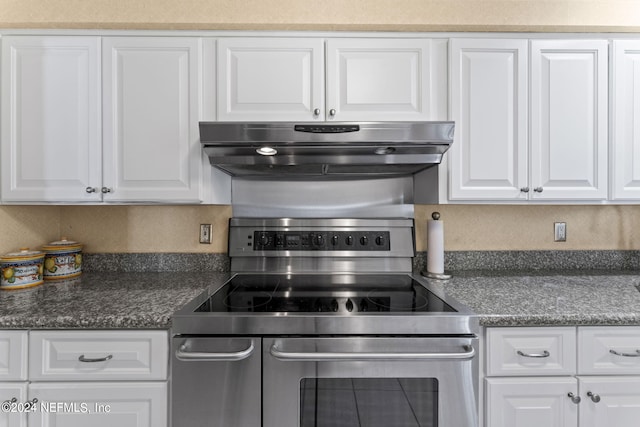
549	298
102	300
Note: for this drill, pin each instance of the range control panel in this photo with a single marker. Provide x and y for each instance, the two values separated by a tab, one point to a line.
360	240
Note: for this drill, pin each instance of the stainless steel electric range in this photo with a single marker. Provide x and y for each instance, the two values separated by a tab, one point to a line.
322	323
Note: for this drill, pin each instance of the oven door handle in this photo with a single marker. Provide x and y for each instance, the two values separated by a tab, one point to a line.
469	353
183	353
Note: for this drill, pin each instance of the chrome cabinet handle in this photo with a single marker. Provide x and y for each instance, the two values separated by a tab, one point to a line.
106	190
183	353
91	189
524	190
340	356
316	112
545	353
617	353
99	359
594	397
575	399
332	112
538	189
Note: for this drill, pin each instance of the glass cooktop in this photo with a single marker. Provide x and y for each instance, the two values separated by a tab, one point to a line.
318	293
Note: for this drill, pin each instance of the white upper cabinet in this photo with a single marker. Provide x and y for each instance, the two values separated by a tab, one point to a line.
270	79
488	159
151	109
51	118
531	120
569	117
89	122
379	79
287	79
625	124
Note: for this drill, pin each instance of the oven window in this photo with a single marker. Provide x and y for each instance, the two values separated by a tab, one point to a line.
368	402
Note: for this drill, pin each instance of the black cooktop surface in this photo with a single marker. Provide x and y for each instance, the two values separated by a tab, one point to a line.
323	293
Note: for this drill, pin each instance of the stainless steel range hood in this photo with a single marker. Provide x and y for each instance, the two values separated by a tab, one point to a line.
285	149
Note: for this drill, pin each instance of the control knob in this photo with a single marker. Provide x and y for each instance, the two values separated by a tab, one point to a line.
364	240
380	240
349	240
318	240
349	305
264	239
334	240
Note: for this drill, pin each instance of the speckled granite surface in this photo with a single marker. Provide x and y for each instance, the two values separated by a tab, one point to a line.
549	298
125	297
535	260
104	301
155	262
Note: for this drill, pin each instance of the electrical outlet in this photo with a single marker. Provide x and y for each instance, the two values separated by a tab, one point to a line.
205	233
560	231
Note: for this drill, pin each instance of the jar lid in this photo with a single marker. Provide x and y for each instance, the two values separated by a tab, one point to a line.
63	243
22	254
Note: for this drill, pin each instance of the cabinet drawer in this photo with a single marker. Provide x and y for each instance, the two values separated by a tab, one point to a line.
13	355
609	350
128	404
98	355
531	351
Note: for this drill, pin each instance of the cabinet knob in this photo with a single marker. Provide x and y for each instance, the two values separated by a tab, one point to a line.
332	112
316	112
538	189
524	189
12	400
91	189
106	190
575	399
594	397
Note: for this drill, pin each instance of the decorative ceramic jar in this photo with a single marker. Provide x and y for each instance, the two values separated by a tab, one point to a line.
63	259
21	269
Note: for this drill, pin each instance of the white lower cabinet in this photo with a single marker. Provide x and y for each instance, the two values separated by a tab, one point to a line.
536	381
78	404
531	402
84	378
609	401
12	395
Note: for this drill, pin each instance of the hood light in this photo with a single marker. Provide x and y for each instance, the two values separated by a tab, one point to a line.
384	150
267	151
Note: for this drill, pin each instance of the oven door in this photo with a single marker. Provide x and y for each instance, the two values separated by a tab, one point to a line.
370	382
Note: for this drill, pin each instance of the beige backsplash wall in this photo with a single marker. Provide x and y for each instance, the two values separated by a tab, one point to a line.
175	228
403	15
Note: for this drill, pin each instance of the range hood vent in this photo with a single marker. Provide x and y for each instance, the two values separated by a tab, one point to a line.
337	149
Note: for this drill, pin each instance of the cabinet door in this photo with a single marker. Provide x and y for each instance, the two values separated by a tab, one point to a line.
614	401
13	396
13	355
99	404
569	119
488	160
531	402
51	134
379	79
270	79
152	102
625	131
